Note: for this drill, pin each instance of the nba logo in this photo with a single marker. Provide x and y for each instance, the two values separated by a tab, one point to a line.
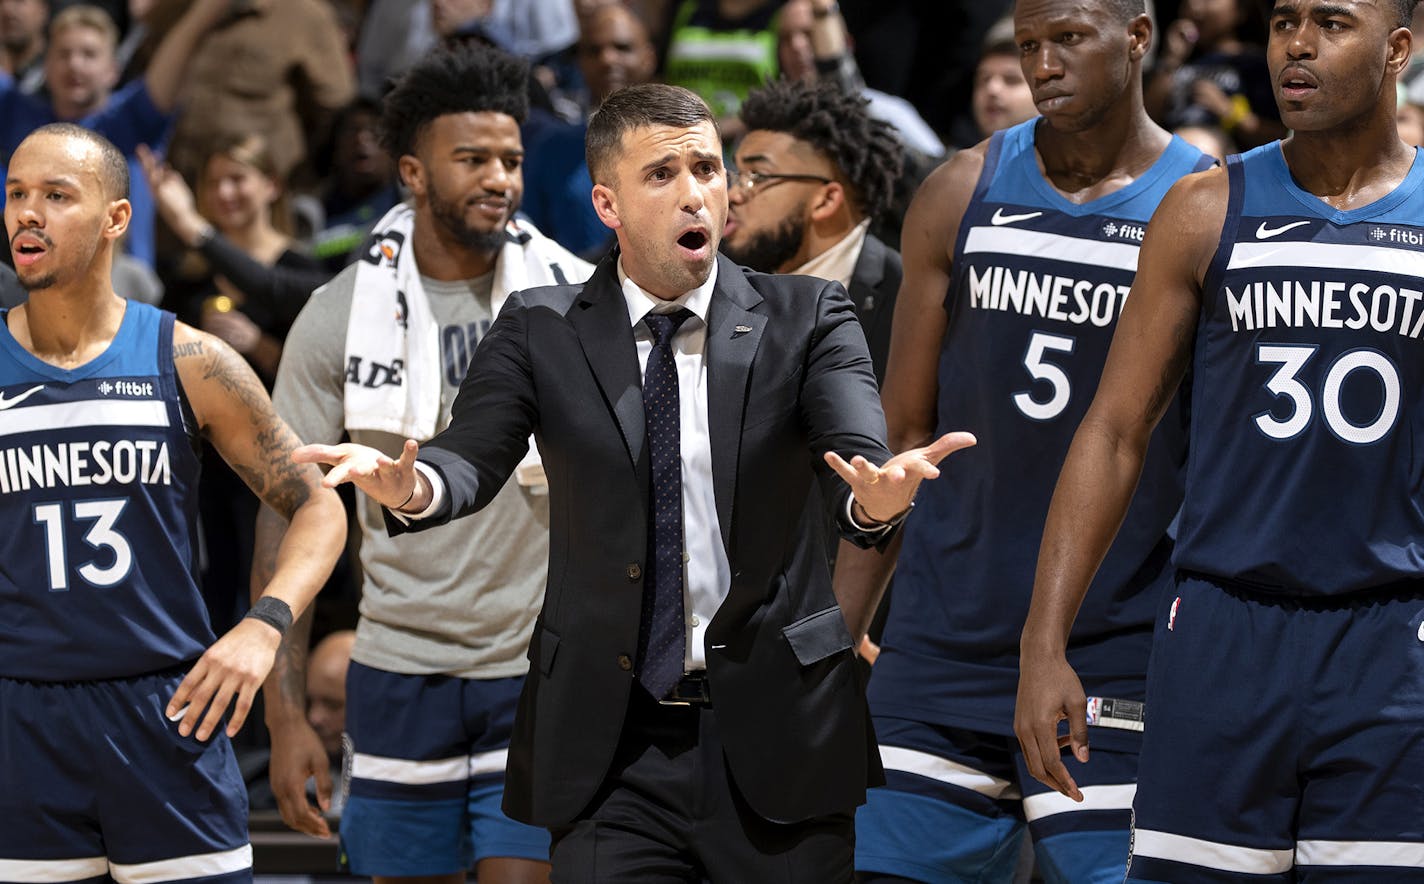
1172	615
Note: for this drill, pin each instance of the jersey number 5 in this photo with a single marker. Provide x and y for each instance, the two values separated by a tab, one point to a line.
101	535
1042	370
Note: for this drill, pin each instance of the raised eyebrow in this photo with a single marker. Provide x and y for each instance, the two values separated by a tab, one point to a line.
659	162
708	156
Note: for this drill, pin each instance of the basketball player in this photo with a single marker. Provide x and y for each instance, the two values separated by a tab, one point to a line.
114	753
1018	257
1285	727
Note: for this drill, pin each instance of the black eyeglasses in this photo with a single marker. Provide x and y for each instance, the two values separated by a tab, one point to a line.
755	182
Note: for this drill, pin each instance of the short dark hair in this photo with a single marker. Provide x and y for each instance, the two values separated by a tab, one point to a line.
1406	12
633	107
838	125
113	167
999	39
1125	10
467	79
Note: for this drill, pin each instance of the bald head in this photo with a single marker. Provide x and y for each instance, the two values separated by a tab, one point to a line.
326	688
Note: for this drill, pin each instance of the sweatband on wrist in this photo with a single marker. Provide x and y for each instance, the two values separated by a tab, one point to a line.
272	611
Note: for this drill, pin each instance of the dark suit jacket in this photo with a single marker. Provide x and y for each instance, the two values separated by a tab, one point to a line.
873	286
788	378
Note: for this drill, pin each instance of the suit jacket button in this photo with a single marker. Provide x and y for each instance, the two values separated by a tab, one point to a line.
625	662
634	572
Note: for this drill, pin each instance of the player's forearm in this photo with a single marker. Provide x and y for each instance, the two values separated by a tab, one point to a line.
860	580
285	689
1090	500
308	550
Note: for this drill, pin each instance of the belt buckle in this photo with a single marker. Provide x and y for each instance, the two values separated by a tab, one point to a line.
690	690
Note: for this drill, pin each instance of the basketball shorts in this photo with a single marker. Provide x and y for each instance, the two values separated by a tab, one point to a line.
96	784
425	772
1286	740
956	803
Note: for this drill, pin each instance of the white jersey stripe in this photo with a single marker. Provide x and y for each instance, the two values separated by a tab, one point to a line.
182	868
1403	854
1055	246
1112	797
946	771
1326	256
53	871
1211	854
85	413
411	773
488	762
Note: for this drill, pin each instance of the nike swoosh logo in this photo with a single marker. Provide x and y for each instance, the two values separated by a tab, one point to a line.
1264	232
10	403
1000	218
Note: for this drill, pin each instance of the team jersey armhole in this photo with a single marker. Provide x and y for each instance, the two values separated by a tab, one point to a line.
1236	195
992	154
172	383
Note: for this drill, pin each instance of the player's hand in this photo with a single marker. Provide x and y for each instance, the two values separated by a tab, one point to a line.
869	650
886	491
231	670
391	483
1050	692
298	755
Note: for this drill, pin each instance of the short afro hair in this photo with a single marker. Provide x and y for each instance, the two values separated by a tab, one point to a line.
1406	12
468	79
113	167
838	125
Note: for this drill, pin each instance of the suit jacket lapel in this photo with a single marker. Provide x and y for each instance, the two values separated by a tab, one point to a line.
733	335
601	319
869	271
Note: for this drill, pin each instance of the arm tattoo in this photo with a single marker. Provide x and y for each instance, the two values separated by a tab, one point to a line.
192	348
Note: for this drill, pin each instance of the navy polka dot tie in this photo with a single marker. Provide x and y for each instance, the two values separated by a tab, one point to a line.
661	634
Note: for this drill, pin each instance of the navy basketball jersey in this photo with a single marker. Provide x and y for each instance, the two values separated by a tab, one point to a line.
1307	417
1037	285
98	479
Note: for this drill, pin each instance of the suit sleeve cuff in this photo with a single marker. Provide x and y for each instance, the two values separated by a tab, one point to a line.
437	496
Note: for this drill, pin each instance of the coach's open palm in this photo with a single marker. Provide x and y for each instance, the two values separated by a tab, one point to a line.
391	483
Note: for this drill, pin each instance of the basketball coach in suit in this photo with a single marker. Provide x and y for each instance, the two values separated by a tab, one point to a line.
692	710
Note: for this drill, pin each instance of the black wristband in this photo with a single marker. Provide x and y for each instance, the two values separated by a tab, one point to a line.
272	611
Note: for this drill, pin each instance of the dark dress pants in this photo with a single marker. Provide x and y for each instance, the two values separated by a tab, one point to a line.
668	811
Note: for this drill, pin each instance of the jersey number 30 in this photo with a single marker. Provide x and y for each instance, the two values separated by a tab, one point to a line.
102	514
1284	384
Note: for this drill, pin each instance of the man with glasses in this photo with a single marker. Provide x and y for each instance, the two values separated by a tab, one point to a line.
813	171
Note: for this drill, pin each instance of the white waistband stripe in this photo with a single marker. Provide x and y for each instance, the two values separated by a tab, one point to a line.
1113	797
411	773
1405	854
1211	854
53	870
181	868
926	765
488	762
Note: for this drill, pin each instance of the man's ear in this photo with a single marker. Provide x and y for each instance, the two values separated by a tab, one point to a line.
1401	42
605	205
830	201
116	220
1139	31
412	173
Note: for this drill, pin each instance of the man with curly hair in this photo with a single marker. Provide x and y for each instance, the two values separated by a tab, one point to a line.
814	171
378	354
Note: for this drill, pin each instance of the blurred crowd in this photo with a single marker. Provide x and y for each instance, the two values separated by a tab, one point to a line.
252	130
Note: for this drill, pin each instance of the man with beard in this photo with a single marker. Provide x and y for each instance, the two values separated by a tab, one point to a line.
1018	254
378	354
813	172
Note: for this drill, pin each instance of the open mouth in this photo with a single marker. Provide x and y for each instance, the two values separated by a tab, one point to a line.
27	250
1297	84
693	240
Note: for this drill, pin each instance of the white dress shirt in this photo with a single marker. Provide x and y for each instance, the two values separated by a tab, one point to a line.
707	576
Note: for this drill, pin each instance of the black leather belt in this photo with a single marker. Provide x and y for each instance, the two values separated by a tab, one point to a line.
692	690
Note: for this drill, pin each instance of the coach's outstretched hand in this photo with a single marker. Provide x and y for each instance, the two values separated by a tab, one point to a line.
232	669
884	492
1050	692
394	484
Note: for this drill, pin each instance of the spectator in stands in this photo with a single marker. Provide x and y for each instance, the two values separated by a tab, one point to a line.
326	701
813	45
22	42
278	67
1211	71
812	172
1210	140
1002	97
613	51
722	50
394	34
237	221
362	185
81	71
